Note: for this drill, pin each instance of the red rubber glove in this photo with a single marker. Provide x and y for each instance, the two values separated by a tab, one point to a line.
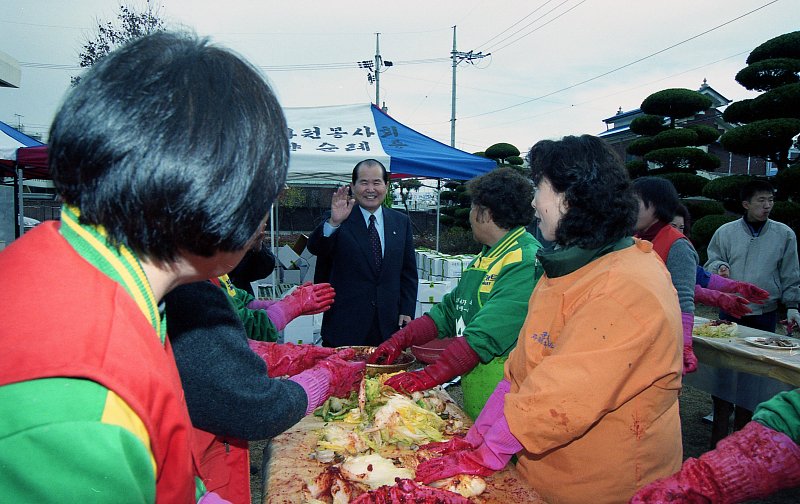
345	375
494	448
416	332
288	359
689	360
307	299
730	303
792	317
458	358
749	464
749	291
492	410
454	444
790	326
461	462
406	491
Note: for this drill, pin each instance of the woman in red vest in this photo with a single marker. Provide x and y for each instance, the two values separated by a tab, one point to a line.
658	203
168	155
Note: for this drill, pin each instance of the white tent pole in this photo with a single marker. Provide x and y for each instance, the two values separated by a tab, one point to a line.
272	245
278	265
438	206
21	202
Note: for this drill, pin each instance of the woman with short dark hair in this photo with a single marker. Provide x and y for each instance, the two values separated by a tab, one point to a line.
592	385
658	203
168	155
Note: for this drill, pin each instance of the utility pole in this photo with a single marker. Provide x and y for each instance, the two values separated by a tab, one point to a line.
375	65
457	58
378	70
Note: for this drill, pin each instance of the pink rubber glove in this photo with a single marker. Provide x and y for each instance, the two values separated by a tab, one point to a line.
491	411
749	291
492	454
458	358
689	360
749	464
307	299
212	498
261	304
730	303
288	359
316	383
416	332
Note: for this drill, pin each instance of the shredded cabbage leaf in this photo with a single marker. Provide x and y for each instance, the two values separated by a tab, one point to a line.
385	417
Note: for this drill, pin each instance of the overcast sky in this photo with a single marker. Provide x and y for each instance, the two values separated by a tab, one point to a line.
556	67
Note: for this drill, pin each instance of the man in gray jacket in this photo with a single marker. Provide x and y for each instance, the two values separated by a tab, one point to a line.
761	251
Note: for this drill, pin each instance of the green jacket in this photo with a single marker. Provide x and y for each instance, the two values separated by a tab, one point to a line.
781	413
256	323
489	304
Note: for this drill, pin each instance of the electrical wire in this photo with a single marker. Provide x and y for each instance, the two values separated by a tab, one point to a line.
646	84
272	68
515	24
619	67
538	27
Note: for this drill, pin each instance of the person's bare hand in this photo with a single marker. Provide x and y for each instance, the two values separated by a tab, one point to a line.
402	320
724	271
341	205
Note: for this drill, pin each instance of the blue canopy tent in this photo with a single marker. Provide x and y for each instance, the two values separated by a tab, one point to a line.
326	142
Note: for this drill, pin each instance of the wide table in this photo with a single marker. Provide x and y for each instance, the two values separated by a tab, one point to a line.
736	372
289	468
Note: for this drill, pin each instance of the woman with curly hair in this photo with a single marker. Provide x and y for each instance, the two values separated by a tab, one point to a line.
589	403
486	309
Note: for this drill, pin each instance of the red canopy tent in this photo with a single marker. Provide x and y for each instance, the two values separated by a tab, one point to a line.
33	161
30	163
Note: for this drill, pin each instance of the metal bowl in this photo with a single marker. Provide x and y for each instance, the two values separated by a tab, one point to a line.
405	361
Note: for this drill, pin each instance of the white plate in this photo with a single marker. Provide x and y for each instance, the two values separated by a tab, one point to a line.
759	342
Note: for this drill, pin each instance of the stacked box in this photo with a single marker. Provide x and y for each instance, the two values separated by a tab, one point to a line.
294	277
423	308
420	254
454	266
432	291
265	290
287	257
302	330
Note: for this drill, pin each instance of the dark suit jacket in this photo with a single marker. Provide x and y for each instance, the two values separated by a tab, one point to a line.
361	290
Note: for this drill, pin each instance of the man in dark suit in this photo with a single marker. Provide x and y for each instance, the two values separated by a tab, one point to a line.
370	252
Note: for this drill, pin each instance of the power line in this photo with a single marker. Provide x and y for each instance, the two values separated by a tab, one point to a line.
650	83
518	22
272	68
620	67
538	27
48	66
